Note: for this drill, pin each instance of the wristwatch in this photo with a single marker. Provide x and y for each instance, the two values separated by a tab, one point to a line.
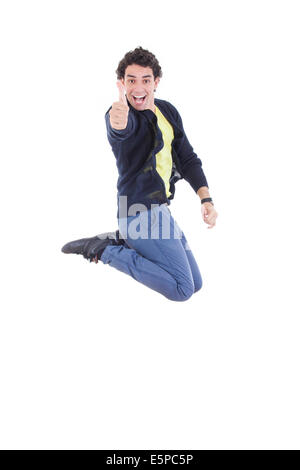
207	199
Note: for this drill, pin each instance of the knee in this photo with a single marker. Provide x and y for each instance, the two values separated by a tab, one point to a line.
183	292
198	284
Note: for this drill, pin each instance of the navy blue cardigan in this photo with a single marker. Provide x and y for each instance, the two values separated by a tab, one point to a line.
135	149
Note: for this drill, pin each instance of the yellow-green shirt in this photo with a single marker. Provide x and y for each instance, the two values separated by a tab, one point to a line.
164	156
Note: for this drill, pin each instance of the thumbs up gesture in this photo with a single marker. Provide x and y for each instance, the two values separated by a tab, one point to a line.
118	115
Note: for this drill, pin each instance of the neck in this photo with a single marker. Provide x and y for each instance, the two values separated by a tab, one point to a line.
152	107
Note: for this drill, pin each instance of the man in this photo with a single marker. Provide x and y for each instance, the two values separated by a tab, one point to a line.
152	153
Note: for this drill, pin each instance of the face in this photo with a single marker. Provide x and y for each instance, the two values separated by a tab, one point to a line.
139	82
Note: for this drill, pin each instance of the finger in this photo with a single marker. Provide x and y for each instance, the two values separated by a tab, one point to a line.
211	216
122	97
210	220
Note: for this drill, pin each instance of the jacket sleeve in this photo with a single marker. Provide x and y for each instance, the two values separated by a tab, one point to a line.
191	165
119	135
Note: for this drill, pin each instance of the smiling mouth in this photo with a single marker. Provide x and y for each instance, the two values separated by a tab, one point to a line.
139	100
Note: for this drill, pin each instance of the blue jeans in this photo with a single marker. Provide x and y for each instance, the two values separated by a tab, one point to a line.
157	255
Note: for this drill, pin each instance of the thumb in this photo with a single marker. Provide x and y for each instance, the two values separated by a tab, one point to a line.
122	97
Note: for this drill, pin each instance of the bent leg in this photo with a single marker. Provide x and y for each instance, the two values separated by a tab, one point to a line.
149	273
151	257
157	255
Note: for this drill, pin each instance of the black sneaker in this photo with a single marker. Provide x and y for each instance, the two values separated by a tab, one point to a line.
92	248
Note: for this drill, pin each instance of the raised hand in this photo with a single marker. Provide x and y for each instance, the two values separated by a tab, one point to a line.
118	115
122	92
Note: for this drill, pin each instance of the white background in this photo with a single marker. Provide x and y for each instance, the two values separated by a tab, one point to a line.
90	358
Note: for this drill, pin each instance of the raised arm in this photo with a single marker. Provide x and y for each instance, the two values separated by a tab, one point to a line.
120	121
118	115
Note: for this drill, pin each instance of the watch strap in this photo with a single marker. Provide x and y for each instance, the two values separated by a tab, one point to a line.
207	199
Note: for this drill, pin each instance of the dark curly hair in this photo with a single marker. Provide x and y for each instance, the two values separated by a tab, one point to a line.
141	57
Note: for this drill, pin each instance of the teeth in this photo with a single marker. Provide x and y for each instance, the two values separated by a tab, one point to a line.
139	96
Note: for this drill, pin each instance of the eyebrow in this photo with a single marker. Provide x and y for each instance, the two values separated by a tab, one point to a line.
144	76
